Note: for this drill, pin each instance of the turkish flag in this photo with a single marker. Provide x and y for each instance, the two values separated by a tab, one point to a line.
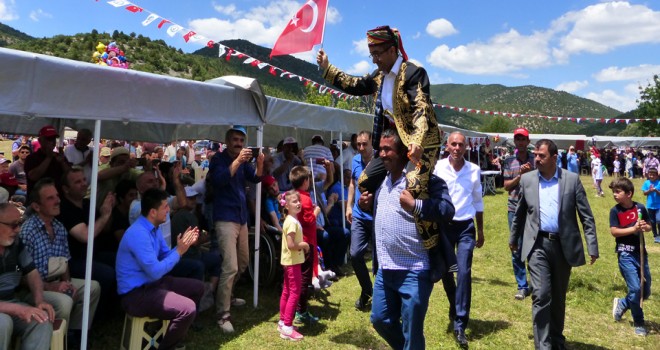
304	30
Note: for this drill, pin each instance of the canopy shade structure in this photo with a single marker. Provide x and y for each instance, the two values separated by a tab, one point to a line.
36	90
562	141
626	141
133	105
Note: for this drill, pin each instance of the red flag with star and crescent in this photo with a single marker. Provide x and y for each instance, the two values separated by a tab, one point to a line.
304	29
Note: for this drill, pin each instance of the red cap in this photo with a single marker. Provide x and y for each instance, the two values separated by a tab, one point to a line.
7	179
48	131
267	180
521	131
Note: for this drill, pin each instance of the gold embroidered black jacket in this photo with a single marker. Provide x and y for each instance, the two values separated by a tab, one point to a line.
413	111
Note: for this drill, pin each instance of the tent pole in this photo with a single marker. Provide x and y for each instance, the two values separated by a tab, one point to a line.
90	233
257	226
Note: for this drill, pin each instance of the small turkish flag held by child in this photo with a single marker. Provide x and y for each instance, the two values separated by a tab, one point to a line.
304	30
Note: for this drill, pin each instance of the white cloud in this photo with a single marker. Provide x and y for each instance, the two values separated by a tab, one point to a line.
38	14
7	10
440	28
606	26
643	71
417	35
360	68
260	25
229	10
572	86
505	53
361	47
333	15
623	101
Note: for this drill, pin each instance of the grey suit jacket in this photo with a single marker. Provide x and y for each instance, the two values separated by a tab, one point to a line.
572	203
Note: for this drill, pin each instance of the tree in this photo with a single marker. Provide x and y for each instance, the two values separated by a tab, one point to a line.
498	124
648	108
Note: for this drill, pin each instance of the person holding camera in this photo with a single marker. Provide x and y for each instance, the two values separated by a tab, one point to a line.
229	170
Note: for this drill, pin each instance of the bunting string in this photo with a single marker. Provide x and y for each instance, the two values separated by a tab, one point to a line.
552	118
189	35
228	53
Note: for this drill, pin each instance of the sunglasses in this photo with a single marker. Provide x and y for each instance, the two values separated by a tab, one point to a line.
13	225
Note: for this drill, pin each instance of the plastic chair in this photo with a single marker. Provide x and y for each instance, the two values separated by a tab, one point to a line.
140	334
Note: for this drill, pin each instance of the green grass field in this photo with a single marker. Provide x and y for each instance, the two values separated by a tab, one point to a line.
498	321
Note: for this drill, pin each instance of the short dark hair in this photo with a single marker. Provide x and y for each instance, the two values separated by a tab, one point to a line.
624	184
72	170
151	199
365	132
298	175
552	146
123	187
25	147
401	149
35	192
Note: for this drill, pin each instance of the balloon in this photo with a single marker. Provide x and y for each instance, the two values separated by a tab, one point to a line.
100	47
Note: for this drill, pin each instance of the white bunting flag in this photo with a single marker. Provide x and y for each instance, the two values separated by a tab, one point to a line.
119	3
173	29
152	17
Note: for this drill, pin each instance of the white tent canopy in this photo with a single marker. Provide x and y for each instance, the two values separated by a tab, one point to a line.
562	141
36	90
626	141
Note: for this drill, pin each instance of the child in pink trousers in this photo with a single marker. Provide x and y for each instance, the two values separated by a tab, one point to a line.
292	257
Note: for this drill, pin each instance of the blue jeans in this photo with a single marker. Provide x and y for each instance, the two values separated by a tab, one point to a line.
518	262
653	215
361	235
459	292
399	305
629	265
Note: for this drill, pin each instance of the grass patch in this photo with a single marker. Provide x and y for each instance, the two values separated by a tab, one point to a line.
497	320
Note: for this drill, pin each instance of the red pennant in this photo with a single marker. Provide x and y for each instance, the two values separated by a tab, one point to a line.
272	70
188	35
134	8
160	25
255	63
210	44
228	56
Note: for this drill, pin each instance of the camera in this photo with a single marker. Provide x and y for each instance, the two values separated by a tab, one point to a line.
255	153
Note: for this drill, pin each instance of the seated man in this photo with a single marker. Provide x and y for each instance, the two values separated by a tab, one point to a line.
143	260
74	215
46	240
30	322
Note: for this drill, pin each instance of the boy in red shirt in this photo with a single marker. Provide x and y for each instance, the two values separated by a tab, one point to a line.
300	178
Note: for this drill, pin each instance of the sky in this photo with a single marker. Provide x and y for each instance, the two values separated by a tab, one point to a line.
601	50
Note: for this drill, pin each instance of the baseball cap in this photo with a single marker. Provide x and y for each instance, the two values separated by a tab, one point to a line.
317	137
48	131
105	152
289	140
267	180
117	151
4	160
521	131
8	179
190	192
239	128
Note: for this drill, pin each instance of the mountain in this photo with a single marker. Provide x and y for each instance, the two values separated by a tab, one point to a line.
524	100
156	56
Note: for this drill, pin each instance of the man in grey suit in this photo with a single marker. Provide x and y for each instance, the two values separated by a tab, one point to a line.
546	217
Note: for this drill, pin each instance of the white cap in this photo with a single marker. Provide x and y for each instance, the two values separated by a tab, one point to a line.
190	192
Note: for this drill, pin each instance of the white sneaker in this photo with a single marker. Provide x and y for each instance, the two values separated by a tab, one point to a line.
237	302
225	325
